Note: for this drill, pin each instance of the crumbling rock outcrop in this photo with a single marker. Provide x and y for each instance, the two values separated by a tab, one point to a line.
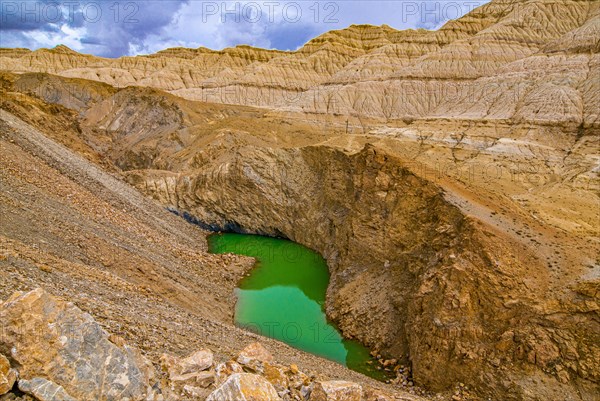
410	274
57	349
48	341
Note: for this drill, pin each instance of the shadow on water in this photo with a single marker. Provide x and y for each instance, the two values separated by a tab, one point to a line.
284	298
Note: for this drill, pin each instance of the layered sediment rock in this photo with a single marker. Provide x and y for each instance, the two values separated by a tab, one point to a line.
410	275
482	65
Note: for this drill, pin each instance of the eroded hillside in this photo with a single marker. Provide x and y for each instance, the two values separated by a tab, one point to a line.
450	178
421	273
143	273
529	61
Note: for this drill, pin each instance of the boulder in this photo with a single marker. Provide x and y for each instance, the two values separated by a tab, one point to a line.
276	375
190	371
8	376
226	369
52	340
197	379
44	390
245	387
254	352
198	361
253	357
336	390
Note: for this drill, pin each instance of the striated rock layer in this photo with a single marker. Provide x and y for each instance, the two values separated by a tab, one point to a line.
470	279
534	60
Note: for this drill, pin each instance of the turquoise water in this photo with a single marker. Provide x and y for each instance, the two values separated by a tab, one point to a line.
283	297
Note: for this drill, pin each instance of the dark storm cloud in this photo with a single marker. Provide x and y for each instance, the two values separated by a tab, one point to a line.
110	26
115	28
91	41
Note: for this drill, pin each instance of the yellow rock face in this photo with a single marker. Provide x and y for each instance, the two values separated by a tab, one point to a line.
245	387
51	339
7	375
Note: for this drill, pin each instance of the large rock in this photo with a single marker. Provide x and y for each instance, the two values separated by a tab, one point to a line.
245	387
254	352
7	375
189	375
191	366
276	375
254	357
54	340
336	390
196	362
226	369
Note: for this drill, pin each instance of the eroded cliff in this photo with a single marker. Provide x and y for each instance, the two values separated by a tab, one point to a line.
411	275
467	289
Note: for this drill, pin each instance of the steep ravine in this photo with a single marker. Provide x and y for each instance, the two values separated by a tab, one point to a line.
410	275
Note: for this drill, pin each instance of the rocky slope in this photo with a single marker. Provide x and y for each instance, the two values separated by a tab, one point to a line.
82	233
51	350
412	275
450	178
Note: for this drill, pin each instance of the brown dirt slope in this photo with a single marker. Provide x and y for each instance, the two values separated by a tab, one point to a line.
82	233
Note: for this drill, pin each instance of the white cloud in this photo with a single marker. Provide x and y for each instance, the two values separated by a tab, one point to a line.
65	35
156	25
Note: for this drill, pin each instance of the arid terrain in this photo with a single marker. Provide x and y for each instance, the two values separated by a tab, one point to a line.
450	178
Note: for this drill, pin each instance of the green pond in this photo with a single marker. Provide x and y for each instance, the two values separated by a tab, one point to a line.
283	297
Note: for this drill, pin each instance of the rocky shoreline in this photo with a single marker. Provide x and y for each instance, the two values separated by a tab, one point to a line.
50	350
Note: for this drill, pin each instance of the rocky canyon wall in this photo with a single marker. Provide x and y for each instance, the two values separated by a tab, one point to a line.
410	275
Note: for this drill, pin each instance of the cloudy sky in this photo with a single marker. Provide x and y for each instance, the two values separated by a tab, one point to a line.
116	28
